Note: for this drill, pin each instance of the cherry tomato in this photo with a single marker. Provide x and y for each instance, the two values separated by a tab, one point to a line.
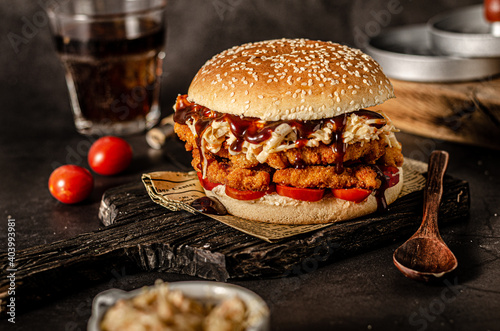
207	185
351	194
246	195
70	183
391	175
109	155
492	10
304	194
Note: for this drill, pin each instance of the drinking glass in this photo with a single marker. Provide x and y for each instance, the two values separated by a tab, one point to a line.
113	52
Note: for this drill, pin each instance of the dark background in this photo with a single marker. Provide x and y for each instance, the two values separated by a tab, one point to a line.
360	293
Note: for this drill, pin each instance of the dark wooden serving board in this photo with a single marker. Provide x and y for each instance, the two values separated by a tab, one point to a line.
141	235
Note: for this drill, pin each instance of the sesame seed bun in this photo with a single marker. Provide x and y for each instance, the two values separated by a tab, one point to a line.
287	79
282	210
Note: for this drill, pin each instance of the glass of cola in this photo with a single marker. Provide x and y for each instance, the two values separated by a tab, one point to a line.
113	53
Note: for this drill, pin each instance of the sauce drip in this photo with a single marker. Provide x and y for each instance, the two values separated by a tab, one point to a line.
339	146
380	192
202	117
209	205
255	131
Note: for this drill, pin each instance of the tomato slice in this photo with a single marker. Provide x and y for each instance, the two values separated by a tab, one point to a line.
244	195
304	194
207	185
391	175
351	194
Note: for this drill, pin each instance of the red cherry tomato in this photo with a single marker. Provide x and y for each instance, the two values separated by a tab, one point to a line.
391	175
492	10
304	194
70	183
246	195
109	155
207	185
351	194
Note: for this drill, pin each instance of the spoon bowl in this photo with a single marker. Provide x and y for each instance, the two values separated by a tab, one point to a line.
425	255
430	258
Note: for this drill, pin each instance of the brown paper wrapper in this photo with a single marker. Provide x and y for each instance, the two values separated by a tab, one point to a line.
176	191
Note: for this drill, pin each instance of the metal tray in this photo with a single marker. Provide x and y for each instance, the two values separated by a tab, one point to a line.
405	53
463	32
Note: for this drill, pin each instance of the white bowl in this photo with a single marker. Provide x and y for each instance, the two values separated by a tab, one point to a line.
258	318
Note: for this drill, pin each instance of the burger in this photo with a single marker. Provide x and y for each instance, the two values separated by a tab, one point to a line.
279	132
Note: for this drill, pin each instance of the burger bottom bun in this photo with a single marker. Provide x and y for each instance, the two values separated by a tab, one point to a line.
274	208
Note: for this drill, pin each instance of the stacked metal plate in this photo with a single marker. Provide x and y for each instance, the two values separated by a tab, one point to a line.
451	47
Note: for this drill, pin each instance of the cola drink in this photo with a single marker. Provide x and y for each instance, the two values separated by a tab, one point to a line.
113	71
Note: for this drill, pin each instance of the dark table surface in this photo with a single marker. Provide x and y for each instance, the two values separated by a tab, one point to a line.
362	292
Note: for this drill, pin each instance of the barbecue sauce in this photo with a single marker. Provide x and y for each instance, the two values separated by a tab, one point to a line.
202	117
255	131
339	146
209	205
380	192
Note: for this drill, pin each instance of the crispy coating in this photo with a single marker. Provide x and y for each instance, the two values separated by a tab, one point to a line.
322	155
361	176
240	160
307	167
392	157
249	180
221	171
185	134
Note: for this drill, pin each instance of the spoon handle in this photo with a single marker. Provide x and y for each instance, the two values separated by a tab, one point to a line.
438	162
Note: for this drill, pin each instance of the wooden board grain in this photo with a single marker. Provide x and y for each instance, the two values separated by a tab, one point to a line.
142	235
467	112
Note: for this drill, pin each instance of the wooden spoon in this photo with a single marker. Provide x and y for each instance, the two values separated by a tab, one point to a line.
425	256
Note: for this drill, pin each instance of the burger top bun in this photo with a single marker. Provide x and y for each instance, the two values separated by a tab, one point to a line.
287	79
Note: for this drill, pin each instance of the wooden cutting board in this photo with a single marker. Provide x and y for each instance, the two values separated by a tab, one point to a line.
141	235
467	112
